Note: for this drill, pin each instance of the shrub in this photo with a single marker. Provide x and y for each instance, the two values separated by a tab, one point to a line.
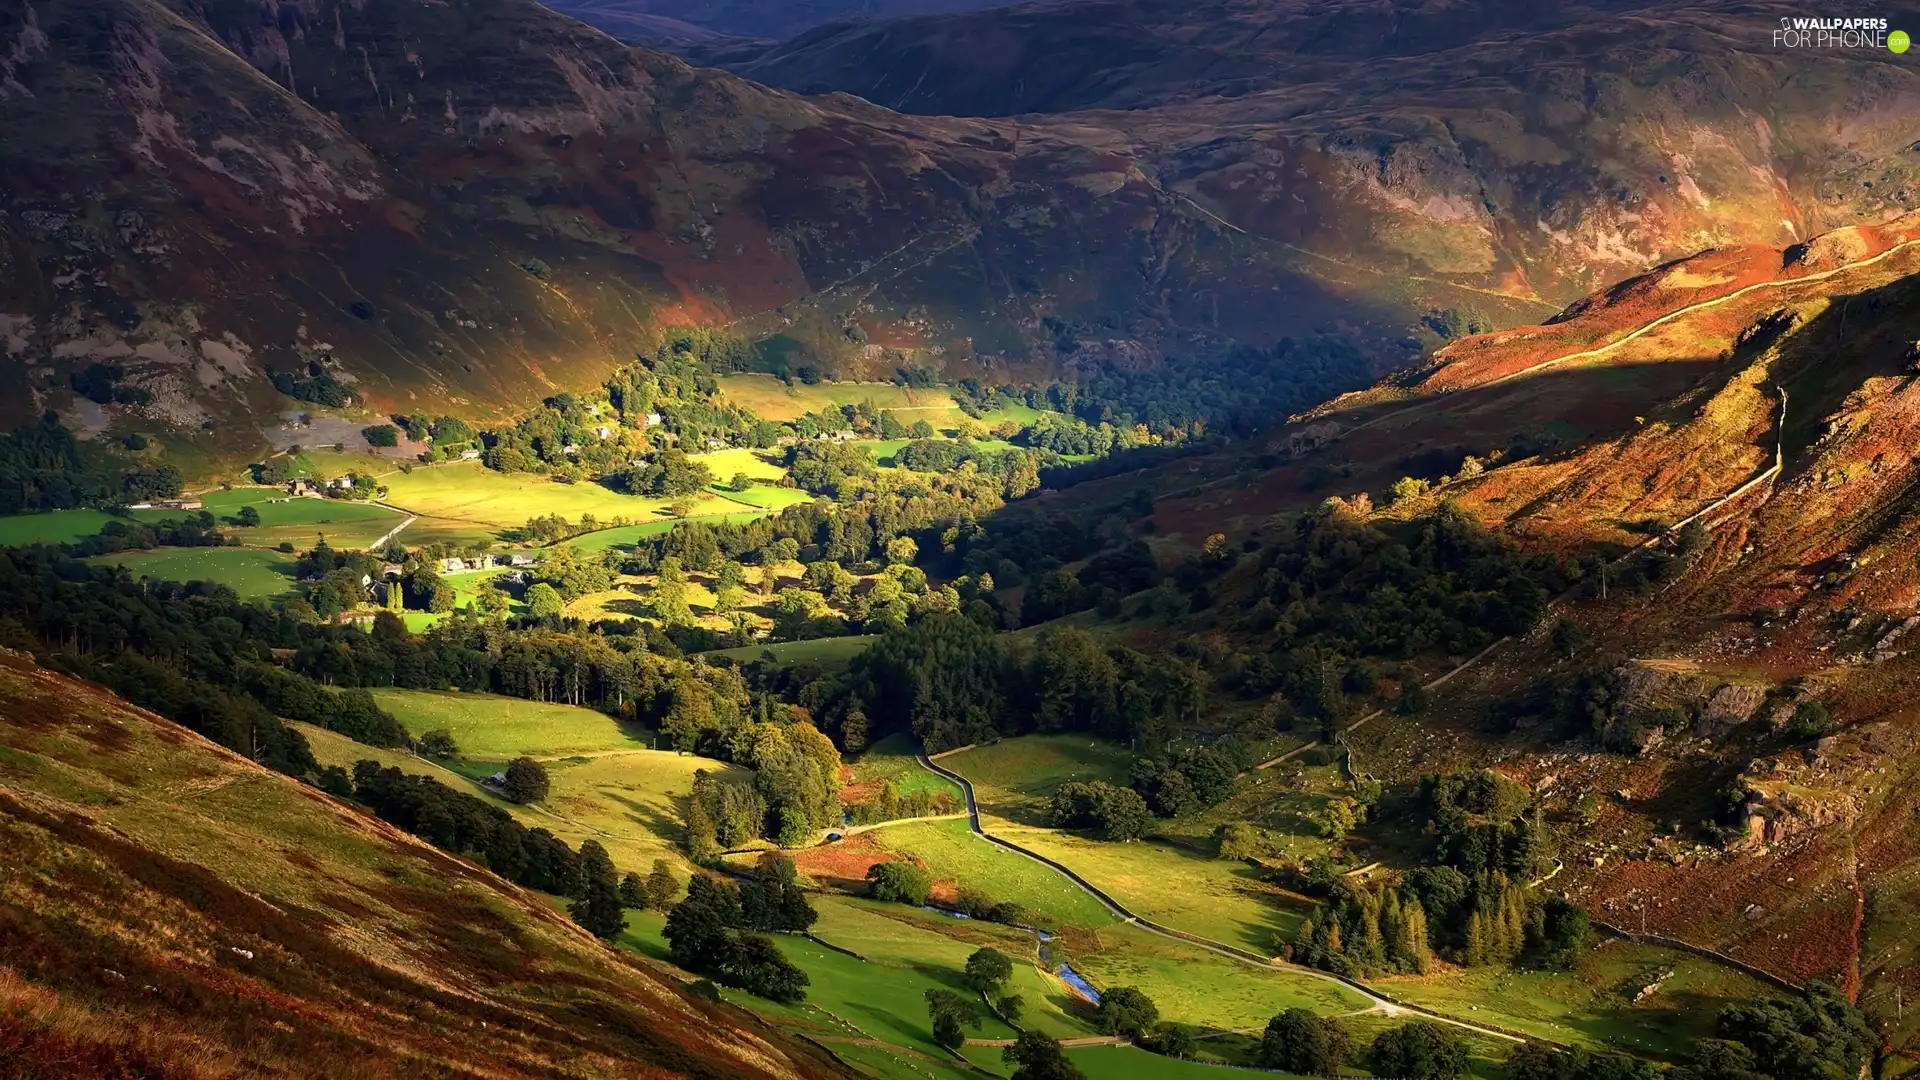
901	882
438	743
526	781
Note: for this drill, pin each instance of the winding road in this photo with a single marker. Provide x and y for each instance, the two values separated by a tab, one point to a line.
1376	1001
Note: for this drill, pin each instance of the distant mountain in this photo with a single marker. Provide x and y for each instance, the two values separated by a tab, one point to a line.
661	22
473	207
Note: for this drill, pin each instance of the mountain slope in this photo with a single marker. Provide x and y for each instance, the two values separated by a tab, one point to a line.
169	909
1536	150
475	207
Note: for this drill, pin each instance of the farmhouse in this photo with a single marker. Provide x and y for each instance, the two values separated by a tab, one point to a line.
180	504
300	487
469	455
519	558
454	564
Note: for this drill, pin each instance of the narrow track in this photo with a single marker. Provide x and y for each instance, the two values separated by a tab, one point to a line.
1377	1001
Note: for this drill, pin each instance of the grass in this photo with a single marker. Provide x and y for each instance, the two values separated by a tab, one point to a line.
1194	986
952	853
1219	899
627	536
475	496
1014	777
827	652
199	872
345	524
726	463
64	526
1594	1006
1132	1063
896	758
252	573
492	728
764	496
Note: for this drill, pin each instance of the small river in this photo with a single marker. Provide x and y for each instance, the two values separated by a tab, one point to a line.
1063	970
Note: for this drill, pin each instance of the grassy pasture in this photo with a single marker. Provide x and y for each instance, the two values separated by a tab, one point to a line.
895	758
493	728
474	495
739	459
952	853
63	526
765	497
827	652
627	536
253	573
1013	778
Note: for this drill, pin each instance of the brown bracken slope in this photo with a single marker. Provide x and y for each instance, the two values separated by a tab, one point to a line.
169	909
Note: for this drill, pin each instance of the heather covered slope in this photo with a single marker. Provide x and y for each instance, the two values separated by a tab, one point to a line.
168	909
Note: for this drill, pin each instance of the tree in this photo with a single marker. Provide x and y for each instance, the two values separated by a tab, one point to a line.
988	969
740	482
600	910
661	886
249	517
1010	1007
1039	1056
1813	1036
438	743
921	429
1116	813
633	891
526	781
544	601
1174	1041
1297	1041
1338	817
1421	1050
1125	1010
902	882
901	550
381	435
951	1015
670	593
1810	720
335	781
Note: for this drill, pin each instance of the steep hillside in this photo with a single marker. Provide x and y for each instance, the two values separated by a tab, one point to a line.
1531	150
476	207
1717	705
169	909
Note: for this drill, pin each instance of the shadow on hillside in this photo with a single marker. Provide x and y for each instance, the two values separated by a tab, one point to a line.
1860	336
648	817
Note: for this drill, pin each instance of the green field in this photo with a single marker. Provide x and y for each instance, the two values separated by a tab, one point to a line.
1132	1063
896	758
346	525
953	853
627	536
477	497
630	808
1194	986
764	496
253	573
1013	778
491	728
827	652
1594	1006
64	526
1220	899
726	463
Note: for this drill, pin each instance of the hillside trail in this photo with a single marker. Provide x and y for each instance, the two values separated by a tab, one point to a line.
1377	1001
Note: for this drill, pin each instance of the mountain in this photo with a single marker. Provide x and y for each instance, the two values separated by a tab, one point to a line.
1719	713
1528	150
471	208
658	22
172	909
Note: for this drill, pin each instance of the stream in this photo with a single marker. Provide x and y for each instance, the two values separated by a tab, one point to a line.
1063	970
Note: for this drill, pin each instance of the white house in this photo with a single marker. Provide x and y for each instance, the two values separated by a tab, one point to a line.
653	419
469	455
603	431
